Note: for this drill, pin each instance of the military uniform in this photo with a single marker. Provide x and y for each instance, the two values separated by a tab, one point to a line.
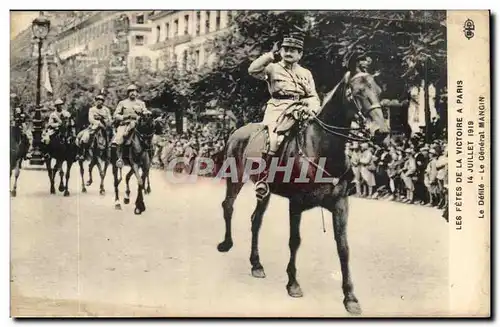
98	118
56	119
286	86
288	83
127	113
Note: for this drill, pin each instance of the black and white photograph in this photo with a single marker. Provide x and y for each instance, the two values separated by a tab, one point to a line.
249	163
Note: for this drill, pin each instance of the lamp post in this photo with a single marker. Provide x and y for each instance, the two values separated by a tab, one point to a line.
40	27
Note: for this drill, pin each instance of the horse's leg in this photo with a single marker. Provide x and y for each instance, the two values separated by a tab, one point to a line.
91	167
61	175
51	173
126	199
232	190
82	174
148	187
69	164
117	180
295	212
257	269
339	216
104	166
139	201
16	175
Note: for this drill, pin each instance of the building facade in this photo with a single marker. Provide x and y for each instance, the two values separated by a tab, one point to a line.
180	37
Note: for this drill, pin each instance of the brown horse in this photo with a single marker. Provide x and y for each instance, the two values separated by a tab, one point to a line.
98	155
323	136
137	156
19	145
62	148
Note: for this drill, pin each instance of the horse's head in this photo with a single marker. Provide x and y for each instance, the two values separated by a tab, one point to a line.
363	93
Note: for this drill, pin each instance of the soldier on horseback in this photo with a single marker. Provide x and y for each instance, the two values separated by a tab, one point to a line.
126	115
57	118
20	119
99	118
289	84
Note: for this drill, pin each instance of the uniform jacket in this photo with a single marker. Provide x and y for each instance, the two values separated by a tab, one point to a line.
57	118
129	110
95	113
297	81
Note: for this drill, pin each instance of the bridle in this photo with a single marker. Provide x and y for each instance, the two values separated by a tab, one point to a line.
346	132
340	130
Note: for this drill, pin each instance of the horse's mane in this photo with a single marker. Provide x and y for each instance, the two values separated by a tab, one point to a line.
337	91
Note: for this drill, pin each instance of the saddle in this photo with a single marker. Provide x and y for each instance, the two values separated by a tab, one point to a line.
289	124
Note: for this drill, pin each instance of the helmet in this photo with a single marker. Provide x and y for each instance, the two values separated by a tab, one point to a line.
99	97
58	101
131	88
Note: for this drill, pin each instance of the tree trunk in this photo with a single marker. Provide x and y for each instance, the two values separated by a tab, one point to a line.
427	108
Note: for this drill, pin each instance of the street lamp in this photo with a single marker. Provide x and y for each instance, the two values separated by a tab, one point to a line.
40	27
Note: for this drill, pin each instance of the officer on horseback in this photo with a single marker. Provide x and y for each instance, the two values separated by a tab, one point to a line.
127	114
56	119
288	83
99	117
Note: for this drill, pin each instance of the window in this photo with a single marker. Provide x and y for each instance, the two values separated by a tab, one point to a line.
175	59
167	31
186	24
158	31
197	58
198	22
217	20
207	23
229	17
139	19
176	27
139	40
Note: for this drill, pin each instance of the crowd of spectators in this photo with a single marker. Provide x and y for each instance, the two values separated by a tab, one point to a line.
409	170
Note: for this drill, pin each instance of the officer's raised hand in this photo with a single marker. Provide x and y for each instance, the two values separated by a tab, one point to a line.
276	51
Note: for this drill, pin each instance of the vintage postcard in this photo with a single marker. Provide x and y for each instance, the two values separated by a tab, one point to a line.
172	163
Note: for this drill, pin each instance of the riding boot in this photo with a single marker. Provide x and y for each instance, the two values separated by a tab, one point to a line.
262	185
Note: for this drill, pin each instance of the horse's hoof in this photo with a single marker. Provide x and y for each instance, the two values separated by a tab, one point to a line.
89	183
258	273
66	193
102	192
13	193
294	290
61	188
138	211
118	206
52	191
126	200
84	190
225	246
147	191
352	306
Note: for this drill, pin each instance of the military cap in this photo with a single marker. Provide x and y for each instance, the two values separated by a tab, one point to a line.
294	39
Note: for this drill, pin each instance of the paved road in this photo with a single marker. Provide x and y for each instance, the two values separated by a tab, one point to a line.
80	256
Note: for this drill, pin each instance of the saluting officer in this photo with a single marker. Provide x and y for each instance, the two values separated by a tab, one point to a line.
288	83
